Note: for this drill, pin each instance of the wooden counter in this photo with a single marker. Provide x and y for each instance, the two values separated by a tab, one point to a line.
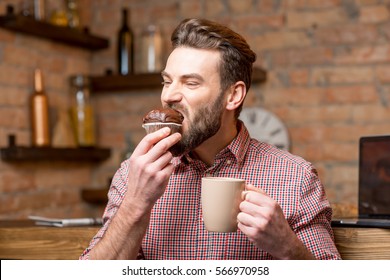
23	240
356	243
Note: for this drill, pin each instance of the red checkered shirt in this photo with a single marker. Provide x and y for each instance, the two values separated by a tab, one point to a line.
176	229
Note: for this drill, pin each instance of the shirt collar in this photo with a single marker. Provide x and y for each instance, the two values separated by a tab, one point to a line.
237	147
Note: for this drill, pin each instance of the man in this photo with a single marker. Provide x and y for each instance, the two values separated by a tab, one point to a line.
154	209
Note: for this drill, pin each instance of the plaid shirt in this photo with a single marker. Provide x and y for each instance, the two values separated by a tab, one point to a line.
176	229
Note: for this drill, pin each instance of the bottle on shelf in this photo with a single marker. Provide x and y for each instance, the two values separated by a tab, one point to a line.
81	111
151	50
39	110
58	15
73	14
125	46
39	9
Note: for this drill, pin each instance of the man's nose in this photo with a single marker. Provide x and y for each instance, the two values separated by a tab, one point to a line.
171	94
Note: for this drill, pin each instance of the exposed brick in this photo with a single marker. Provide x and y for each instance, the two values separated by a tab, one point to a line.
34	200
385	30
301	57
363	55
6	36
240	7
351	95
374	14
63	177
164	10
278	40
214	8
295	96
312	4
347	34
383	73
316	19
14	96
7	205
14	117
339	151
366	2
191	8
16	181
15	55
270	6
299	77
249	25
342	75
371	114
11	76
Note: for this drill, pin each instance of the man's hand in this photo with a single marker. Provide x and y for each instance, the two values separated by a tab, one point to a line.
149	171
263	222
150	167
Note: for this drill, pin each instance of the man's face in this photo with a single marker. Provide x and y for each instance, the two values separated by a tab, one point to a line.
192	86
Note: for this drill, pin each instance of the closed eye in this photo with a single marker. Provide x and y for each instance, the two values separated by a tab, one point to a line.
192	85
166	83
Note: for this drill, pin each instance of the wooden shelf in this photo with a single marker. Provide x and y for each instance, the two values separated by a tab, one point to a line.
109	83
62	34
22	154
123	83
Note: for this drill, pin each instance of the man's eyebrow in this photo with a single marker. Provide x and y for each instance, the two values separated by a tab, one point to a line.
192	76
185	76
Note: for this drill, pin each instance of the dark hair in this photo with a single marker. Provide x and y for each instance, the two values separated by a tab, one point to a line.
237	57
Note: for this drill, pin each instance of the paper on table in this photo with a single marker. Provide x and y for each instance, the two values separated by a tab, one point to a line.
42	221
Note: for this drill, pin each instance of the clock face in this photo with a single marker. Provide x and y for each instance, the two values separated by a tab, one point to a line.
265	127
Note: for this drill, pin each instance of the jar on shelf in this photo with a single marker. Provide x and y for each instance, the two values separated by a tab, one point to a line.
151	50
81	111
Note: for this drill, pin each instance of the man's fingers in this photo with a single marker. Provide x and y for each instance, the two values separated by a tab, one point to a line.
248	189
150	140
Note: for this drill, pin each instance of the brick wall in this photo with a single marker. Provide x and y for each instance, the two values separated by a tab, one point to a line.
328	64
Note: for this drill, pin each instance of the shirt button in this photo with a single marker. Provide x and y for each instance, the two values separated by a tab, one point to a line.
228	161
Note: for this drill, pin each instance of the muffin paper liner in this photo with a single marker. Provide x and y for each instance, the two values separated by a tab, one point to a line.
152	127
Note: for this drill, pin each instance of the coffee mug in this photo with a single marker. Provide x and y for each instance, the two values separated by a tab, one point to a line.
221	197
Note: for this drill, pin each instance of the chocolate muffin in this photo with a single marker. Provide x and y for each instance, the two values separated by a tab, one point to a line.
165	117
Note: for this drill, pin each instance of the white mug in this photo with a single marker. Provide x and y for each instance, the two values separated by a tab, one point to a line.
221	197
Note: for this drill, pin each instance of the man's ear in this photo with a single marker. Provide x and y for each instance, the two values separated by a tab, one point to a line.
236	95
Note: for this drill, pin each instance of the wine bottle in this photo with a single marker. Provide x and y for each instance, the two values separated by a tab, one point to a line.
125	46
39	108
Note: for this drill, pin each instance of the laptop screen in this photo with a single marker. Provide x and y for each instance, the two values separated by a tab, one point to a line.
374	176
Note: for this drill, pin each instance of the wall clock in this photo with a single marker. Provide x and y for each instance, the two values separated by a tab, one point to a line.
266	127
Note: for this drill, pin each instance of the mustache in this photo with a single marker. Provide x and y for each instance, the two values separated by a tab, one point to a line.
179	108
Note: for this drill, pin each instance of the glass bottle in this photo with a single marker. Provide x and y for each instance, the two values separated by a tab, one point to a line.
81	111
39	9
39	110
125	46
151	50
58	15
73	14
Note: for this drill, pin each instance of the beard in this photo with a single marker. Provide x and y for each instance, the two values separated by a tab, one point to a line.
205	124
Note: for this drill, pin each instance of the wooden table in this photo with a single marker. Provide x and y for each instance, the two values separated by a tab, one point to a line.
24	240
357	243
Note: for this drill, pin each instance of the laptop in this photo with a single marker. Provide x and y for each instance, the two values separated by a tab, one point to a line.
374	184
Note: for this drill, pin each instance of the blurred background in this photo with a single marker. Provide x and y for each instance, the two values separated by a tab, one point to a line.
328	79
